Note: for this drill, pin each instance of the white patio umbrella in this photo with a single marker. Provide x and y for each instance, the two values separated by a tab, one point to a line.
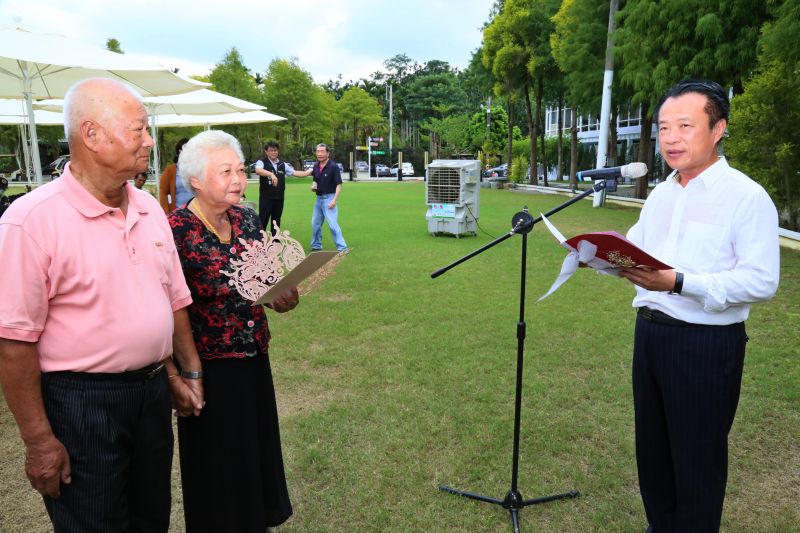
13	113
202	102
249	117
34	66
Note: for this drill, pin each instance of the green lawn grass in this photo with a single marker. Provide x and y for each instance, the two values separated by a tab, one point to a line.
391	383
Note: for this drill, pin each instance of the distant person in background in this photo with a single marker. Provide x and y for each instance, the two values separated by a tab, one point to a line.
719	230
271	186
140	180
327	185
172	193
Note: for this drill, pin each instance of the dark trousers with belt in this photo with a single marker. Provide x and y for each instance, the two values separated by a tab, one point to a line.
686	382
270	208
118	434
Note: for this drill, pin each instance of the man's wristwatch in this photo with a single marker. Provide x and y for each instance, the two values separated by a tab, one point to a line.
192	374
678	287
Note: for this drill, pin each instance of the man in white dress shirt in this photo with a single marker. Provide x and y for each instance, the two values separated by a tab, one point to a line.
719	231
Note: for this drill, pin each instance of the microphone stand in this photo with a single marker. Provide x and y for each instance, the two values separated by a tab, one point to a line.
521	224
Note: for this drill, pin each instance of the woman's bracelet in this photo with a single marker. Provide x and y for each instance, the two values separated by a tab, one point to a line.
173	376
192	374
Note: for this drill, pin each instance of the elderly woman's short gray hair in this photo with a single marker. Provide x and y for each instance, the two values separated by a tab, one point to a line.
194	157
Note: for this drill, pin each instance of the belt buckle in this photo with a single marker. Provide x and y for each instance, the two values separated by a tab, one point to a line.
154	372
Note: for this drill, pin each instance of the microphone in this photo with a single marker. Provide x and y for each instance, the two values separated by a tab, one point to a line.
633	170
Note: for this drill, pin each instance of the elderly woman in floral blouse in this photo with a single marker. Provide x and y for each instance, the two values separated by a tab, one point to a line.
230	453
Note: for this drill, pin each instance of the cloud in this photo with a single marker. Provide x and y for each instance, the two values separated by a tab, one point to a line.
329	37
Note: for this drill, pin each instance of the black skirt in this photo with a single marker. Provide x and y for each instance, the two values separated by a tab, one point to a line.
231	463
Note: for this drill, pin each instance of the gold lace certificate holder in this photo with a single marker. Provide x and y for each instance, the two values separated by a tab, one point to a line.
306	268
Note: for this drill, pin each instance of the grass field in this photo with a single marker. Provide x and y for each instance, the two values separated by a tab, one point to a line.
391	383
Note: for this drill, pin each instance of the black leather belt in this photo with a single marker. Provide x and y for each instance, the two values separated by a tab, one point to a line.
658	317
143	374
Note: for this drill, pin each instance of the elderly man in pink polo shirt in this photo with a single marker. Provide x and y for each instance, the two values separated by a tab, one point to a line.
87	320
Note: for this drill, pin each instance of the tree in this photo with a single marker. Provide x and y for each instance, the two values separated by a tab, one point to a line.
578	45
762	143
230	76
291	92
516	49
696	38
358	108
113	46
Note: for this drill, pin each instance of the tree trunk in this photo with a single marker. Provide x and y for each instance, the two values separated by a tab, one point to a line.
612	139
559	141
534	179
791	209
573	153
541	127
644	150
510	141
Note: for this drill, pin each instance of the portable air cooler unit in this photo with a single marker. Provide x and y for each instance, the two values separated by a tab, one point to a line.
453	196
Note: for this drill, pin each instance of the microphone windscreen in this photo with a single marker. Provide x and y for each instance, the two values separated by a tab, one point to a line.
634	170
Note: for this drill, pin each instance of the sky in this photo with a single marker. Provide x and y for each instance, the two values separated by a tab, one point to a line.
351	38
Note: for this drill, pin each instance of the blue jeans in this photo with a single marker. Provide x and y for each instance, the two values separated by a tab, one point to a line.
322	213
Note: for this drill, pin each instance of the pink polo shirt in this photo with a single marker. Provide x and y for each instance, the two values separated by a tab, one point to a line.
96	289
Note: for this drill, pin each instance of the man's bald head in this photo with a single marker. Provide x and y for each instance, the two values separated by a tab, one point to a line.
106	126
93	99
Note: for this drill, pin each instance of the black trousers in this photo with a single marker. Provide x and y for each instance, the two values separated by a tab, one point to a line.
686	382
119	439
270	208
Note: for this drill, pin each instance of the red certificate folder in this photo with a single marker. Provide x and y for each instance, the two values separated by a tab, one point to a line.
617	250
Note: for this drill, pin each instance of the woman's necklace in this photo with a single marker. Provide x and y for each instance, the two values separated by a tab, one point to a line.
208	224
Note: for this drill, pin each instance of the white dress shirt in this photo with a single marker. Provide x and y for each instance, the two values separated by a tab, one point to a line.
721	231
289	168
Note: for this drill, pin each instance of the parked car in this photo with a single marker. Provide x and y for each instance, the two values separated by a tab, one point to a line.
56	168
381	170
362	167
308	164
500	171
408	169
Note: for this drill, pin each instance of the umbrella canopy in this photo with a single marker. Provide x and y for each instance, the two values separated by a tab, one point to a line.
34	66
250	117
202	102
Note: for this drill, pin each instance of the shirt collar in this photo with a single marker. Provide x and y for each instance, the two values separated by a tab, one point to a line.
89	206
710	176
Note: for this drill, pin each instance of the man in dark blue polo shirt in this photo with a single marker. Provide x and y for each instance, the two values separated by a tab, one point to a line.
327	185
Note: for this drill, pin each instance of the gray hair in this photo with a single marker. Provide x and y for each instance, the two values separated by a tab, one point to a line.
323	145
194	157
75	101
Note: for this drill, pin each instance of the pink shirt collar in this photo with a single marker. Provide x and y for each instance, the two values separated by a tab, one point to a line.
86	204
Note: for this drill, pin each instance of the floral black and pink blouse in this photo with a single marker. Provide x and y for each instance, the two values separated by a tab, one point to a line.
225	325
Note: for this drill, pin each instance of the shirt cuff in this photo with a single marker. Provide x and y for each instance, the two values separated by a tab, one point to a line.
180	303
694	285
19	334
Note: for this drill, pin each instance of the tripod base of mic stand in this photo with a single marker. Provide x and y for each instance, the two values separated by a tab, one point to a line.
513	500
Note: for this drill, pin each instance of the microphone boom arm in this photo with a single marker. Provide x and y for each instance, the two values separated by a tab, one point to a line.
523	223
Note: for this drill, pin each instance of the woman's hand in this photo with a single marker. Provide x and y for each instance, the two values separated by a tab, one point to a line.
187	395
286	301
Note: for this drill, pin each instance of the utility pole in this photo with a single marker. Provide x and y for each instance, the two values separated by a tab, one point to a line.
391	123
605	108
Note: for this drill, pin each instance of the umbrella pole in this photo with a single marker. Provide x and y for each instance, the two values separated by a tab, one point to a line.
26	154
156	165
27	91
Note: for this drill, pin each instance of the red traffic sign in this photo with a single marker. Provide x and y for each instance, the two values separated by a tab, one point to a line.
374	144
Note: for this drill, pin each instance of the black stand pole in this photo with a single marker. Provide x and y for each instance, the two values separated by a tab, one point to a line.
522	223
